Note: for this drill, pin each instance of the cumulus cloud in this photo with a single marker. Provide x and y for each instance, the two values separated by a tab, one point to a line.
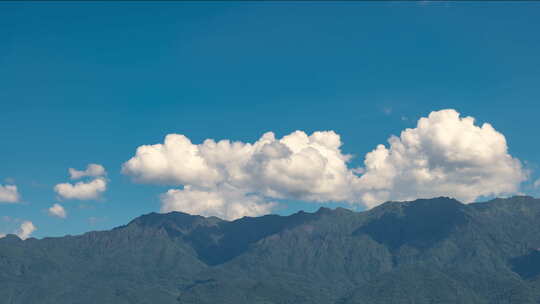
57	210
82	190
92	170
223	203
25	230
9	194
299	166
444	155
296	166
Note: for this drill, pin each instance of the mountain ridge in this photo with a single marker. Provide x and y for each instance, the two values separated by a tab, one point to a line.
422	251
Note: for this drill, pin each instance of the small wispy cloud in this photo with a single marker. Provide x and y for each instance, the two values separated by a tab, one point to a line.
435	3
94	220
9	194
92	170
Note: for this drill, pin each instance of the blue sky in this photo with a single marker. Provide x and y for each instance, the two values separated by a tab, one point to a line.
90	82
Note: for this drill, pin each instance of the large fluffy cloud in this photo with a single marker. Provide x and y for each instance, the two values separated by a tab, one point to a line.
230	179
444	155
296	166
92	170
9	194
82	190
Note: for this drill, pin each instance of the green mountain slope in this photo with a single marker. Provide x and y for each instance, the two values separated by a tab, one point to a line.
426	251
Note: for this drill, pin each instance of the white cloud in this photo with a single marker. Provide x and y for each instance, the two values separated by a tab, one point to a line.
223	203
25	230
57	210
537	183
9	194
82	190
296	166
92	170
444	155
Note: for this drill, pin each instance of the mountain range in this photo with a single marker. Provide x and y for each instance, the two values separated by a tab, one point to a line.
424	251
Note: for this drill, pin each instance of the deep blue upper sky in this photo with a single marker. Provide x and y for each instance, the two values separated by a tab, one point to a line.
88	82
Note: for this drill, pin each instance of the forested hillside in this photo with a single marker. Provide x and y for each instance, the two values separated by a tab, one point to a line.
426	251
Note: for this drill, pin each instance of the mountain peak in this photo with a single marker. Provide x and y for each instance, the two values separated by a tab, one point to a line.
420	223
324	210
11	238
175	221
